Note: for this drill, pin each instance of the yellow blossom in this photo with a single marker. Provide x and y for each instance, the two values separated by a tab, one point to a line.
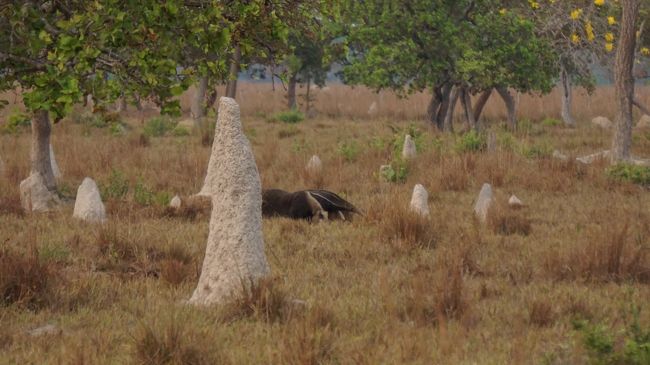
533	4
503	11
599	2
575	14
575	38
589	30
609	37
645	51
609	46
611	20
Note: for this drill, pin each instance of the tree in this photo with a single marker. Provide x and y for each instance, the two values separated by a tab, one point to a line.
452	48
581	33
624	81
57	52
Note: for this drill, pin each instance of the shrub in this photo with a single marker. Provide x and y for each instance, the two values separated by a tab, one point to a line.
632	173
291	116
471	141
117	186
349	150
400	134
290	131
145	196
16	121
631	346
159	126
88	119
116	129
551	122
537	151
180	131
396	172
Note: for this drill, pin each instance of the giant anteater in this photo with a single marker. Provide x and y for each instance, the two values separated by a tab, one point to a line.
306	204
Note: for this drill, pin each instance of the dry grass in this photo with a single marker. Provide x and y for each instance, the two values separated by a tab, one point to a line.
388	287
25	281
171	344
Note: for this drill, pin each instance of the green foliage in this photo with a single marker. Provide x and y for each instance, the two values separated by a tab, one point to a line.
116	129
471	141
16	122
94	120
506	141
541	150
632	173
349	150
290	117
145	196
604	345
400	134
180	131
378	143
551	122
433	42
396	172
159	126
117	186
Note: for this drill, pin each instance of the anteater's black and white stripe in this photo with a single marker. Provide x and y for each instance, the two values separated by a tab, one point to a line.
306	204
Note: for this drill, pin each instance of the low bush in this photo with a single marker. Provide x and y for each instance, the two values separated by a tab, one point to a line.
16	122
396	172
159	126
471	141
291	117
631	173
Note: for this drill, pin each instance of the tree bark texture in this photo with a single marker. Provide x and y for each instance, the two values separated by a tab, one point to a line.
449	117
291	92
40	149
466	103
624	81
480	103
198	103
567	98
510	106
231	86
434	105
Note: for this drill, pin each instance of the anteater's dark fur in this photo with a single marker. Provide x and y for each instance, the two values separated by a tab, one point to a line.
306	204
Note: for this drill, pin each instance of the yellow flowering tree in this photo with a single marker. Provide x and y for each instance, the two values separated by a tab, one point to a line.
582	33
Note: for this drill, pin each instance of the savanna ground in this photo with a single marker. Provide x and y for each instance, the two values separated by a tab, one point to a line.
531	286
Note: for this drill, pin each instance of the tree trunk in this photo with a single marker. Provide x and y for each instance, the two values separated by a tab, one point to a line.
291	92
307	100
567	97
624	81
449	118
480	104
231	86
466	103
198	103
40	151
445	92
434	105
510	106
121	104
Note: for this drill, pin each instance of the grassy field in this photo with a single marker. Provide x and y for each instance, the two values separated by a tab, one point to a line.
533	285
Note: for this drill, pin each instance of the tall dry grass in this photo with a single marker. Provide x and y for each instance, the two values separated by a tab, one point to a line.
342	101
386	287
